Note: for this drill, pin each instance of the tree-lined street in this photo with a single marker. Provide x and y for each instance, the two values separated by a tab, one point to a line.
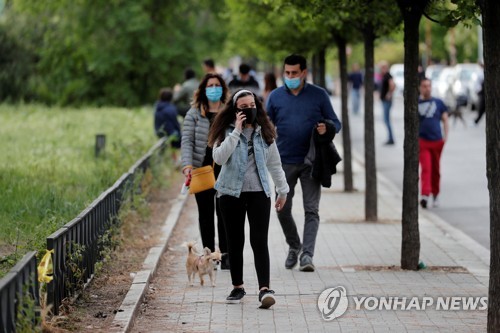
64	53
464	191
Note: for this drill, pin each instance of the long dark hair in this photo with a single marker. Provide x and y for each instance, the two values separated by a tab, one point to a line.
270	82
228	115
200	100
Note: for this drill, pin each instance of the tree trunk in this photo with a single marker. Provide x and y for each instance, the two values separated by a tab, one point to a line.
370	163
321	68
410	248
318	69
346	132
491	26
314	68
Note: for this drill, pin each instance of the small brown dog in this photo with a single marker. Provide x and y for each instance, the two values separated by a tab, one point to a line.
202	264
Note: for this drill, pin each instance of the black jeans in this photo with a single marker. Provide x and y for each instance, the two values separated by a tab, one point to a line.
257	206
207	204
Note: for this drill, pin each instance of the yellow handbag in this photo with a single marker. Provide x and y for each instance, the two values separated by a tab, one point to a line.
202	179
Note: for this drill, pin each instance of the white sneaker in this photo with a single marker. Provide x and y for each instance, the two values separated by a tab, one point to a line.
435	202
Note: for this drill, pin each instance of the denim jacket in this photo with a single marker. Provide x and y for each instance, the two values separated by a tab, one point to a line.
232	154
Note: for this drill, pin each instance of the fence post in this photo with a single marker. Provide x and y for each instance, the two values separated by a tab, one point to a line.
100	143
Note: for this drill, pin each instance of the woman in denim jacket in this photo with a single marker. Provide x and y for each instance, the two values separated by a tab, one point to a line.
243	141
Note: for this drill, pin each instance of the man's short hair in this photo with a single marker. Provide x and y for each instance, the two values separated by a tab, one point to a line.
166	94
209	63
244	69
189	74
425	79
296	59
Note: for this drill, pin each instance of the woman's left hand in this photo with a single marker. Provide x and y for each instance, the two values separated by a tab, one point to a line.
280	203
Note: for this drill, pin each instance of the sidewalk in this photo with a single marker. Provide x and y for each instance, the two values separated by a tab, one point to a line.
362	257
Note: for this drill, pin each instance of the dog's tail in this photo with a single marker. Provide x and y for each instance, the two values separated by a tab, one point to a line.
191	246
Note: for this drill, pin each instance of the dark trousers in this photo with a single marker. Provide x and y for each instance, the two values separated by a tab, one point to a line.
311	194
480	110
207	204
257	206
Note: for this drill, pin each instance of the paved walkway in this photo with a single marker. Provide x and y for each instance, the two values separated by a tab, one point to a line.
362	257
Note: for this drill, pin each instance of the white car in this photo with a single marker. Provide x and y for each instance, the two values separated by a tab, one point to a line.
432	71
398	75
442	87
468	79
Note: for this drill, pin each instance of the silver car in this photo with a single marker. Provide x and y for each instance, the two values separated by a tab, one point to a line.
398	75
467	84
442	87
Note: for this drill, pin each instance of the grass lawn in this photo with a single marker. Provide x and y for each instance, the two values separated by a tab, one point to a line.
48	171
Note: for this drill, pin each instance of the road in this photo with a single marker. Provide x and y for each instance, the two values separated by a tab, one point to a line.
464	198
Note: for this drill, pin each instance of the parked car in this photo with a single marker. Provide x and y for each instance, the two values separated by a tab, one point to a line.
398	75
467	83
432	71
442	87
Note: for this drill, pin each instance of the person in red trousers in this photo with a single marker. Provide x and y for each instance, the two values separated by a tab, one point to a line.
432	111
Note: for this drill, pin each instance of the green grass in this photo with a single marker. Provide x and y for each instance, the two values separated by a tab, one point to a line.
48	172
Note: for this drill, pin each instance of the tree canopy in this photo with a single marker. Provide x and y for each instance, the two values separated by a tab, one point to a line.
105	52
120	52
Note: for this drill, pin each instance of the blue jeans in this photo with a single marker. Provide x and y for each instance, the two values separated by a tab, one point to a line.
355	100
387	119
311	193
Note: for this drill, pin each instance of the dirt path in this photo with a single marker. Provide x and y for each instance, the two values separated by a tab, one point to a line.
94	310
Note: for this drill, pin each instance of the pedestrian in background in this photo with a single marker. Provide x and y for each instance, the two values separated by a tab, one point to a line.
165	121
244	144
421	73
184	95
432	111
355	78
208	66
297	109
209	99
245	81
482	105
387	88
269	85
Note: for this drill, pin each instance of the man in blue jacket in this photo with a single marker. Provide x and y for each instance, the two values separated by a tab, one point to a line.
296	109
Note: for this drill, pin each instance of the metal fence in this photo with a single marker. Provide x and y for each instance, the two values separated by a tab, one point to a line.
77	248
20	283
77	245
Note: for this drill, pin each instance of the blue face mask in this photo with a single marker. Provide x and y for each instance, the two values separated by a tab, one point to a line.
214	93
292	83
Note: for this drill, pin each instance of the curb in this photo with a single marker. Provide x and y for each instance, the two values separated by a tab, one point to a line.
124	318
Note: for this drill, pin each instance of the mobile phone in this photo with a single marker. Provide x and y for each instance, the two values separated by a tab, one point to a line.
244	121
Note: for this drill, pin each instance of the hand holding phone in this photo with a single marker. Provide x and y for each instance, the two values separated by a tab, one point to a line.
240	120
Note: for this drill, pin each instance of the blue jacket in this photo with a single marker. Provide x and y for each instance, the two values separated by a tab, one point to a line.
166	123
296	116
232	154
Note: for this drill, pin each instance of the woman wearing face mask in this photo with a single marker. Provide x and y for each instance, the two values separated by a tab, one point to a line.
208	100
243	141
